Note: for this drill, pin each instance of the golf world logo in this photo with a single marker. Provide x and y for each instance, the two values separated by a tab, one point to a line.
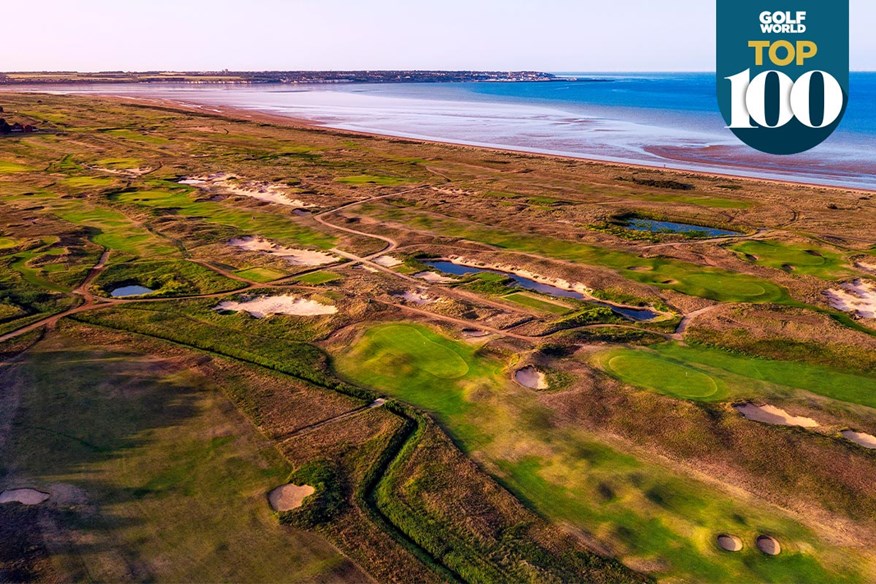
783	71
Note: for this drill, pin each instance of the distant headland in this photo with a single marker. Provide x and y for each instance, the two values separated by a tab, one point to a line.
277	77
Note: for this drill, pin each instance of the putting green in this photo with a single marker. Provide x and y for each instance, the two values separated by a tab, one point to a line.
800	258
654	372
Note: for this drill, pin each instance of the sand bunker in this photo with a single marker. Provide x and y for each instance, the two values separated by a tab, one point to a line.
475	333
416	298
263	306
531	377
769	545
24	496
775	416
233	185
556	282
434	278
729	543
387	261
866	266
861	439
289	497
857	297
296	257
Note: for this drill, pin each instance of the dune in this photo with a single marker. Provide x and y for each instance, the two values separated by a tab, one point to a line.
264	306
233	185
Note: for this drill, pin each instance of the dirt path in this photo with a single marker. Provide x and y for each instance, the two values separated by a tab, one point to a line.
678	335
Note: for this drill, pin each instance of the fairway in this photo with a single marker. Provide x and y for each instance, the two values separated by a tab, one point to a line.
704	374
799	259
260	275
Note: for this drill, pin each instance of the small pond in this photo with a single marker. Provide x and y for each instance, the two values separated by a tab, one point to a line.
636	314
654	226
124	291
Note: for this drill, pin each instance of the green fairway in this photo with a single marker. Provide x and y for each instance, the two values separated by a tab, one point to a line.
570	476
696	280
88	182
365	179
174	479
705	374
182	201
530	301
260	275
798	259
665	376
7	167
317	278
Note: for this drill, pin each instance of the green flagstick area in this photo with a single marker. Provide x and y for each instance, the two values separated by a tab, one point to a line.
227	353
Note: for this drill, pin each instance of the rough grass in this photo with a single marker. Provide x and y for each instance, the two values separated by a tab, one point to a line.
643	510
166	278
157	451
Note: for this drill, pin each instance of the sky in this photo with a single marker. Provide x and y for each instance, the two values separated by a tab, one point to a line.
545	35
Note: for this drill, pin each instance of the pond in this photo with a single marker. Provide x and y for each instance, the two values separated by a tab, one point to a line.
636	314
134	290
655	226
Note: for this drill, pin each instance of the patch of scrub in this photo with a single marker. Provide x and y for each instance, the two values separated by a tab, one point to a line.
289	497
234	185
860	438
133	290
772	415
293	256
416	298
23	496
857	297
434	278
531	378
729	543
768	545
388	261
264	306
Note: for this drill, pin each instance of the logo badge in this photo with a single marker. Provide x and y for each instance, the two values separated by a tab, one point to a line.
783	71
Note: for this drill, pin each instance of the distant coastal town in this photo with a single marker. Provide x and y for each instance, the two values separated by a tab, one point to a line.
277	77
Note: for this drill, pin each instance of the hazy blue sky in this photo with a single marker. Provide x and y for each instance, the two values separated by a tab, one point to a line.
549	35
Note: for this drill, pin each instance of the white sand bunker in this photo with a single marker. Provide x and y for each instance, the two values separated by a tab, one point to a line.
768	545
531	377
234	185
296	257
387	261
289	497
475	333
729	543
772	415
857	297
416	298
867	266
24	496
434	278
263	306
861	439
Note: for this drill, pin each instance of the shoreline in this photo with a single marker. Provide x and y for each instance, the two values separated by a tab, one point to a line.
239	113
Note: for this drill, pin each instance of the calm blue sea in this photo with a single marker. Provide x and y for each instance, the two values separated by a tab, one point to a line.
663	120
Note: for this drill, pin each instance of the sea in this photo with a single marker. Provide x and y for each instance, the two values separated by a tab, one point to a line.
665	120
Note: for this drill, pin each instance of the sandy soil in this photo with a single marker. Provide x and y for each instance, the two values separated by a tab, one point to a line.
729	543
263	306
861	439
387	261
557	282
24	496
775	416
857	297
417	298
769	545
289	497
531	377
296	257
434	278
233	185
